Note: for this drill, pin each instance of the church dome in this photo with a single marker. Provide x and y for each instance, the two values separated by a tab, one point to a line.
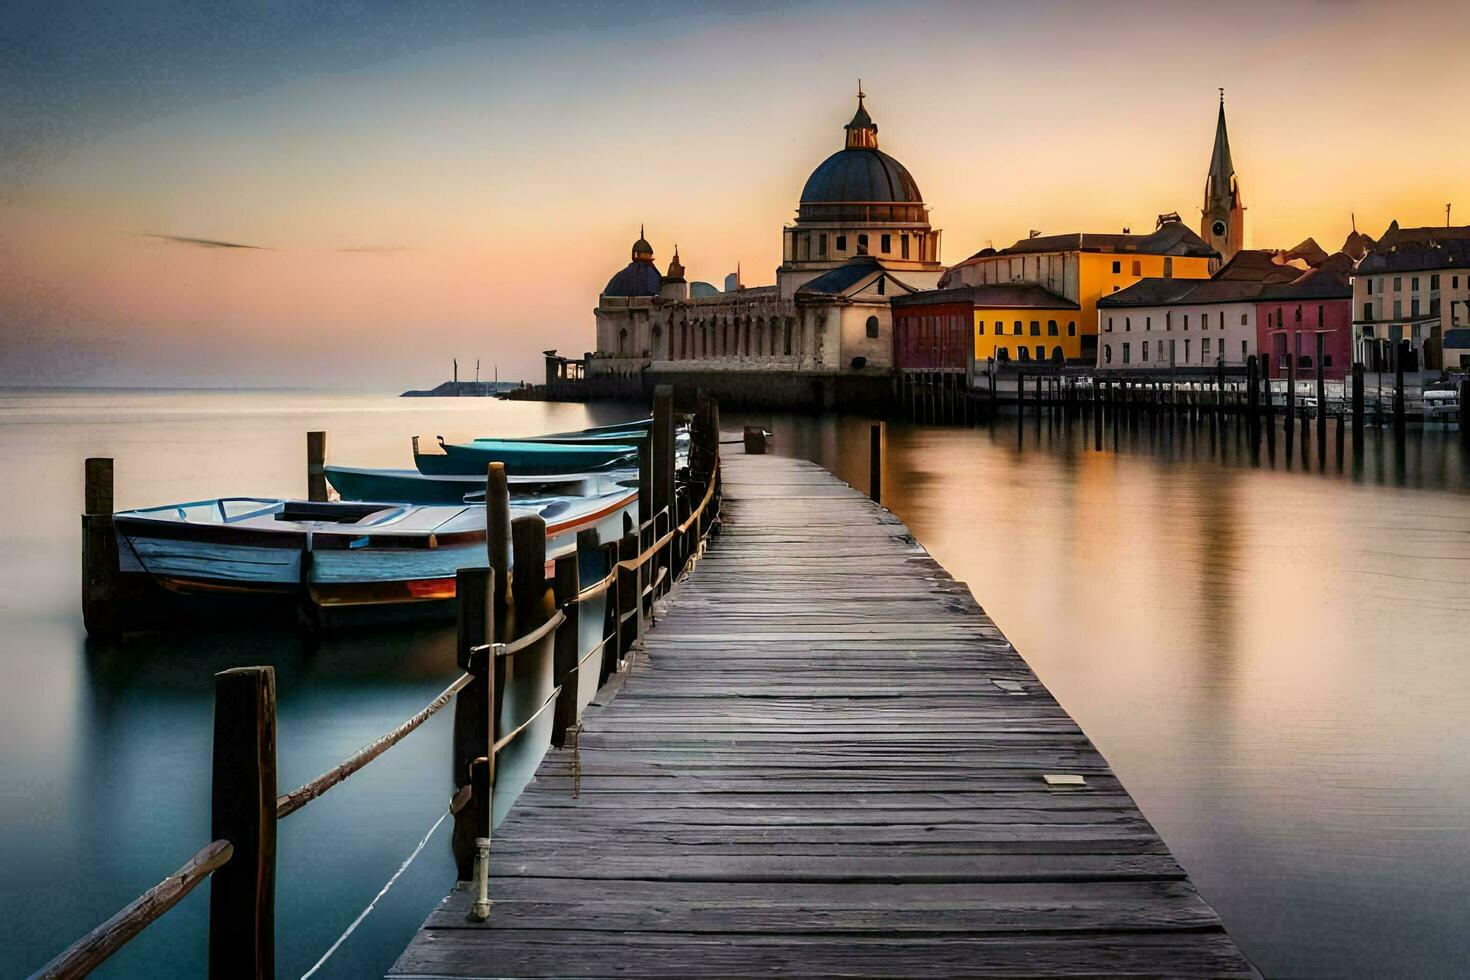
639	277
860	182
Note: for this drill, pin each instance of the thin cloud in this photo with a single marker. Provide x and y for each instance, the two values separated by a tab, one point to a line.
379	248
204	242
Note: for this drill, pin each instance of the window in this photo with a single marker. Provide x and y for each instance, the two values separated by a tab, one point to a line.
1398	309
1145	352
1434	281
1285	362
886	244
872	326
1148	324
1304	360
1125	353
1138	271
1367	311
1051	328
822	244
841	244
1414	306
1000	328
1186	351
1017	328
862	243
1244	319
1368	284
1024	353
1186	321
1398	283
1117	267
1367	332
1320	317
1245	351
1204	348
1454	282
1128	324
1110	324
881	285
1041	352
1115	289
1168	267
979	328
1414	283
1071	328
903	245
1327	360
1107	353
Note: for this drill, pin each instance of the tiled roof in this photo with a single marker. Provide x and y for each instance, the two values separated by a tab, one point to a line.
1014	295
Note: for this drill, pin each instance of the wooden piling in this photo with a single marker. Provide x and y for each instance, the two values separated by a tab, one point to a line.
1398	388
242	895
497	529
101	610
875	462
528	571
661	469
1321	393
316	461
1253	398
1357	408
474	716
1290	401
565	584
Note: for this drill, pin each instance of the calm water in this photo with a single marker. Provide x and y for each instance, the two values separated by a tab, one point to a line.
1273	660
105	755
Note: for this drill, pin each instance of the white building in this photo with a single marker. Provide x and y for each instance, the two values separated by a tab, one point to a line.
1413	285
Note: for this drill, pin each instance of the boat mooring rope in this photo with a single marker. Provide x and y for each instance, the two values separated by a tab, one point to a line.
376	898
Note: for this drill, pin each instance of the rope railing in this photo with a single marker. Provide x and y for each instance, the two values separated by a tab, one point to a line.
242	907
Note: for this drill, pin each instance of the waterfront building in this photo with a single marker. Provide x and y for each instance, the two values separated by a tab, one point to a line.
1289	316
1083	267
1222	218
1413	285
861	237
1019	322
1162	323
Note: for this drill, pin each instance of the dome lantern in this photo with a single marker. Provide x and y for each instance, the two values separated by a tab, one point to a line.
862	132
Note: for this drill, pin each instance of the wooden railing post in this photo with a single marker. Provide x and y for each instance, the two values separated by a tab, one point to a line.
497	529
661	469
316	462
474	716
100	609
242	897
875	462
565	584
1401	354
629	598
612	615
528	572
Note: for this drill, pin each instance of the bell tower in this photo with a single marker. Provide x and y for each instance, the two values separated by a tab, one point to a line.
1222	219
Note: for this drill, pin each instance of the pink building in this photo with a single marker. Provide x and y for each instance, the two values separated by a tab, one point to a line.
1289	316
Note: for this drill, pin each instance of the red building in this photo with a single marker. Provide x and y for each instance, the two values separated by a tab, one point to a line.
1289	317
931	329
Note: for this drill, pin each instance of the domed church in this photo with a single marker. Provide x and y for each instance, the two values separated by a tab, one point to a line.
861	236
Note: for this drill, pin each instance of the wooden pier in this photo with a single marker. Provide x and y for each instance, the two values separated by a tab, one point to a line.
825	760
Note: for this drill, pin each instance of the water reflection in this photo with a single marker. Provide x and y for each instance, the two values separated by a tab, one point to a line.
1269	650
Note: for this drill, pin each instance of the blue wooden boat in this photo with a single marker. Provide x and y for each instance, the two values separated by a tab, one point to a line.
338	554
525	458
411	486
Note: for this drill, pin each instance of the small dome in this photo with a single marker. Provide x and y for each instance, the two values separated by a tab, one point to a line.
637	278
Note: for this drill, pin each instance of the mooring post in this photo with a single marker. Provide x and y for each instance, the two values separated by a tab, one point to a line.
242	894
1402	353
497	528
1253	400
565	584
1357	408
875	462
1290	401
474	717
316	462
645	480
528	572
100	609
661	493
755	440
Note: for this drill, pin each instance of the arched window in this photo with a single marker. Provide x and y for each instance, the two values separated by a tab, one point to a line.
623	341
872	326
1002	355
1071	328
1024	352
1107	353
1056	355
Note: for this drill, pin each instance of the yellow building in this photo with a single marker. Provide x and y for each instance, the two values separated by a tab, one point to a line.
1025	322
1080	268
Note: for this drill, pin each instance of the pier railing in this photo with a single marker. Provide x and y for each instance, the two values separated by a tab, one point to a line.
540	620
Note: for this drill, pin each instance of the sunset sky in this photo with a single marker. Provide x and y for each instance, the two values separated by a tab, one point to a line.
423	181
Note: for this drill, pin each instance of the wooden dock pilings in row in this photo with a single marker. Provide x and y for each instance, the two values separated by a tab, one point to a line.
507	614
827	760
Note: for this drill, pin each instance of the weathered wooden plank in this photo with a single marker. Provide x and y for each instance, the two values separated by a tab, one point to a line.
825	761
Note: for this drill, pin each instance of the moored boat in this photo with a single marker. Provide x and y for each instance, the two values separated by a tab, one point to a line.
411	486
525	458
338	554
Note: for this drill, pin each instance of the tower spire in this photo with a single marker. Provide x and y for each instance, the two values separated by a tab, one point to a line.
1222	218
